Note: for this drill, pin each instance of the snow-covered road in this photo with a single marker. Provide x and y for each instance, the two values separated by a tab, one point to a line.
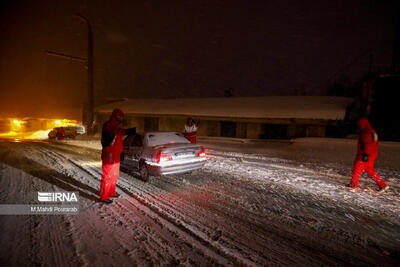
242	208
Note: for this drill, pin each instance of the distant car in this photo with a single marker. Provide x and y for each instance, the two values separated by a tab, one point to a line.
69	132
161	153
80	129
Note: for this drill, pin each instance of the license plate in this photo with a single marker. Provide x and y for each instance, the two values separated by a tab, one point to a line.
184	154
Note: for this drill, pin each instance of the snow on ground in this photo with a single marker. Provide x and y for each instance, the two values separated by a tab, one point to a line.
329	182
254	203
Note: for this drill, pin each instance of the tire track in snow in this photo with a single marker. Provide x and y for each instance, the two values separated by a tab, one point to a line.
47	236
147	198
157	202
58	229
321	183
67	166
241	247
196	238
164	232
146	189
173	213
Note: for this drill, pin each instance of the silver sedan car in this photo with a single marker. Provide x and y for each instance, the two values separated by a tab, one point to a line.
161	153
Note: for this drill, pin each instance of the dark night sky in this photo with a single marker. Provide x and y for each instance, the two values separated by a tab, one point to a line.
186	48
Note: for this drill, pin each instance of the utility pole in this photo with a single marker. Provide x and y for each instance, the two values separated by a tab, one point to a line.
88	109
90	102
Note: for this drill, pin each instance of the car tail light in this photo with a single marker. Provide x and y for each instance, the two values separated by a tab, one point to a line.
202	153
161	157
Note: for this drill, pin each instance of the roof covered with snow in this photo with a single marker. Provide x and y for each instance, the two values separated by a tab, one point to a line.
279	107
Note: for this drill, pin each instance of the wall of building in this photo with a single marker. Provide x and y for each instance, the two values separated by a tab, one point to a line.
229	127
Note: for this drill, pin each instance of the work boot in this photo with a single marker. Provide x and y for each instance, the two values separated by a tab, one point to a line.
106	202
351	187
383	189
116	195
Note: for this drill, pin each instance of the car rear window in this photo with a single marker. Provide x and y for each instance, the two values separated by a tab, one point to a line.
156	139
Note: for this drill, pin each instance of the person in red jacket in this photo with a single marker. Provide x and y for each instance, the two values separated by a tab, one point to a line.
190	130
367	151
111	141
61	133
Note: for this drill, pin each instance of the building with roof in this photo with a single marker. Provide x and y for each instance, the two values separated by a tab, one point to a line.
242	117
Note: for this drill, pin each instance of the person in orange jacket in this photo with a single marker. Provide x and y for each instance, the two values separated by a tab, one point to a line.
367	152
190	130
111	141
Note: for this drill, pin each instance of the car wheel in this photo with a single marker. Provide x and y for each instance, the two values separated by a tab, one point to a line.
144	172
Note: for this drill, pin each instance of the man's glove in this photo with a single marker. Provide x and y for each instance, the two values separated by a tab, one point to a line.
365	157
131	131
122	156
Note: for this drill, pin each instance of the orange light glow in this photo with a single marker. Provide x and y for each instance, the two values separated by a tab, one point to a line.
16	125
9	134
38	135
64	123
18	128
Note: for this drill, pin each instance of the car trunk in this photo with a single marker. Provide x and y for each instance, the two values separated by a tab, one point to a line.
179	151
